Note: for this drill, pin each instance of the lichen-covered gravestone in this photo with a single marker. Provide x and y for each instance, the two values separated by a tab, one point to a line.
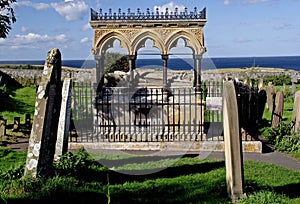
43	135
64	120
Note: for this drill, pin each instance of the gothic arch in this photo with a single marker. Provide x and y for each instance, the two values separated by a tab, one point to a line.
190	39
107	40
140	39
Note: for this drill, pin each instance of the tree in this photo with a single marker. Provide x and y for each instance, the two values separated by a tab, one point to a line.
7	17
116	62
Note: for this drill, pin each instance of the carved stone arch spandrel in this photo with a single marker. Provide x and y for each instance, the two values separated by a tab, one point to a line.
140	39
190	40
105	41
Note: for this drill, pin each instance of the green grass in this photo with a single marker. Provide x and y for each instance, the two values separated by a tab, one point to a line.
20	102
188	180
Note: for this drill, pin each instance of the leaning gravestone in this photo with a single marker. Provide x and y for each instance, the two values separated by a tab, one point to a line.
64	120
278	110
270	93
296	113
39	161
232	140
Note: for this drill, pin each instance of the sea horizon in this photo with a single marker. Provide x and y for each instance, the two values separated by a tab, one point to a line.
184	63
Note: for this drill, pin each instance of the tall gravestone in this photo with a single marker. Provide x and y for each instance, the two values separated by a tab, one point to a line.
278	109
41	148
270	93
296	113
233	145
64	120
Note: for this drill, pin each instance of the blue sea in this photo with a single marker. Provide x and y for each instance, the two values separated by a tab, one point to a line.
285	62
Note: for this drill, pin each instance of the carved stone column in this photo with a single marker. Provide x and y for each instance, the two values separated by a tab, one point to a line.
132	59
197	67
99	68
165	66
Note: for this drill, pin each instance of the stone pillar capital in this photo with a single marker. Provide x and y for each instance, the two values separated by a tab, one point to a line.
198	56
132	57
165	56
97	57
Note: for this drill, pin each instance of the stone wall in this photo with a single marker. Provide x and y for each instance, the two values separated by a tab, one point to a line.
30	77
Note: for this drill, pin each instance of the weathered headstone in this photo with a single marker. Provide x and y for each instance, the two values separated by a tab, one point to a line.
270	93
43	135
64	120
278	110
260	84
2	127
296	113
233	146
16	125
27	120
294	80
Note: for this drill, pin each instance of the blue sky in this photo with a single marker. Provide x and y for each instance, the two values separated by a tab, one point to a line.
234	27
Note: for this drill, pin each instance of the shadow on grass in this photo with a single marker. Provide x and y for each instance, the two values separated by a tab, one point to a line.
178	184
62	197
170	172
290	190
12	105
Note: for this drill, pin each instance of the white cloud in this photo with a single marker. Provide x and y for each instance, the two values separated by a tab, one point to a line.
228	2
86	27
37	6
255	1
61	38
24	29
71	10
171	6
84	40
32	40
283	26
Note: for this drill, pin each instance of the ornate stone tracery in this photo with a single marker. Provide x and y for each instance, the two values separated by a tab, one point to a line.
133	29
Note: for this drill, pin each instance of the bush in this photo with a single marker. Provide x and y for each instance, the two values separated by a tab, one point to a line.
289	143
278	79
282	138
275	134
78	164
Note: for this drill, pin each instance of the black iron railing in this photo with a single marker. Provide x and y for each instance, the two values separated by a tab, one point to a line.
156	115
129	15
